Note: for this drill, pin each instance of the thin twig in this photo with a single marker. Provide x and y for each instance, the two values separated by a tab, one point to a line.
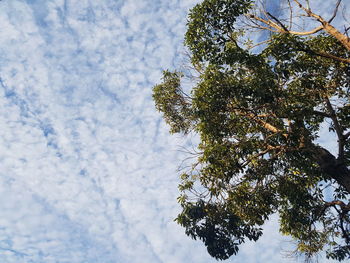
290	15
335	11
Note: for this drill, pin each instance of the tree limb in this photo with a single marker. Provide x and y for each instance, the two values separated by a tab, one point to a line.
338	129
327	26
255	117
325	55
278	21
332	167
283	29
290	15
341	204
335	11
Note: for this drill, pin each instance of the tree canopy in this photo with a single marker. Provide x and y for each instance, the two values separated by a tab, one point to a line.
266	89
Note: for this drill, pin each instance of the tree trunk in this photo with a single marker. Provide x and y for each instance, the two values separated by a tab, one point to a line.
335	33
333	167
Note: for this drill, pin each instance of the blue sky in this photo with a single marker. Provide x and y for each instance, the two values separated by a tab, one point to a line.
88	171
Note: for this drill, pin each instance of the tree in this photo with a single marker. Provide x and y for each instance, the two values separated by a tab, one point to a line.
260	109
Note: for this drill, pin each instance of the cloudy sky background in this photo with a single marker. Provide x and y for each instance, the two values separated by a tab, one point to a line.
88	171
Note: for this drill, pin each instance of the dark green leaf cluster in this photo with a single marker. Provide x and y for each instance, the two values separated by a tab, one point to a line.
219	229
171	100
259	116
211	27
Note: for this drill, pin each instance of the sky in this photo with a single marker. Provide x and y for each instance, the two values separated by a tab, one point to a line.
88	170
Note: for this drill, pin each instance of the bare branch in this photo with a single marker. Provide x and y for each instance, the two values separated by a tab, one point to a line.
341	204
345	40
346	29
278	21
267	22
278	26
266	125
290	15
308	4
249	113
302	7
325	55
264	28
313	31
282	29
335	11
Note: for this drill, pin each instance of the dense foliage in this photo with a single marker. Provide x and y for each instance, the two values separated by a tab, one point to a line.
259	113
